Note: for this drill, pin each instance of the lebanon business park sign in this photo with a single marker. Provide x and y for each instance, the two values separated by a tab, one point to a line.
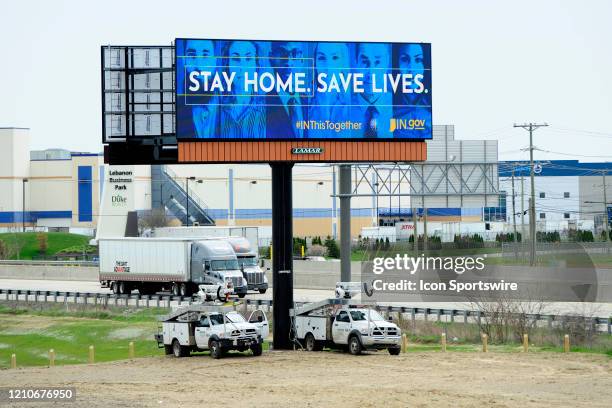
283	97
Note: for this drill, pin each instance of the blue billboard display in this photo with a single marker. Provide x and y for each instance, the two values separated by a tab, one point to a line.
243	89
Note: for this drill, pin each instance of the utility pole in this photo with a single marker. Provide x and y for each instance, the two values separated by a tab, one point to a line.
605	203
424	227
514	217
531	127
522	208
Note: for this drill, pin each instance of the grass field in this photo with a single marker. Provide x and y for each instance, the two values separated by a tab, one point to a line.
30	335
56	241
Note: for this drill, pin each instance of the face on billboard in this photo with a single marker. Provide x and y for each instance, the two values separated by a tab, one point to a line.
243	89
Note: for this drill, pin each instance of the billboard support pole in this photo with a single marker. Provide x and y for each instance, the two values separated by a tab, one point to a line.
282	256
345	222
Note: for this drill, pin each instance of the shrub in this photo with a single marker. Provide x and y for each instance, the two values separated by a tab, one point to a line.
332	248
316	250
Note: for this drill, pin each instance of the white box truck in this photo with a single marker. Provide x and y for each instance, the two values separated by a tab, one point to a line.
176	264
243	240
250	233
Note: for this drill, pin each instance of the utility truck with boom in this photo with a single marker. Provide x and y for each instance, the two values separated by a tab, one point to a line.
341	324
216	329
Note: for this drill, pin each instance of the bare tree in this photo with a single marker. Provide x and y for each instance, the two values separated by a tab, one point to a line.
155	218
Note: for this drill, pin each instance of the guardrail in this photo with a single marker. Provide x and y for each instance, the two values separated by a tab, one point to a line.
167	301
48	262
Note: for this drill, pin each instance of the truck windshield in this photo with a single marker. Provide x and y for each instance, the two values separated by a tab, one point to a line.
235	317
225	265
358	315
216	319
248	261
374	316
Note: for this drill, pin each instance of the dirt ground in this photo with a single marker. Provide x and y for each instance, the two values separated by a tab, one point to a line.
333	379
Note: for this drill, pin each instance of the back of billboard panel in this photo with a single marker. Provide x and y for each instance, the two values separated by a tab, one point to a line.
243	89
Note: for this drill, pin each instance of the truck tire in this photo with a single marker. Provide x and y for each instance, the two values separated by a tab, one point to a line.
395	351
178	350
124	288
219	295
115	288
257	349
215	349
185	290
175	289
241	295
262	291
310	343
354	345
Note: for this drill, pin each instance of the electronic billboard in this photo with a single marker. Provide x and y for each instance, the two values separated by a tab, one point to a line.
230	90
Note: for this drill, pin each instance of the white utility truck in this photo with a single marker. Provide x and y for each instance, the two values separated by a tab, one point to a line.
180	265
341	324
217	329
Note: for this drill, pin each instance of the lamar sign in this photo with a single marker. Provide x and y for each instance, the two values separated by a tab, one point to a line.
307	150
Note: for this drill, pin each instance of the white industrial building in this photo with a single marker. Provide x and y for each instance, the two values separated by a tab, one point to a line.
461	183
568	194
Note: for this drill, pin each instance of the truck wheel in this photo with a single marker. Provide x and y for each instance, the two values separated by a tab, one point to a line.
178	350
175	289
354	345
115	288
124	288
311	343
395	351
262	291
220	296
215	349
257	349
167	349
241	295
185	290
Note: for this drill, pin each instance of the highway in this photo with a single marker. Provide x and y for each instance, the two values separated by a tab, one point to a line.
307	295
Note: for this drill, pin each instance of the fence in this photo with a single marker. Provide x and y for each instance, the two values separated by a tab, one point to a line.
602	324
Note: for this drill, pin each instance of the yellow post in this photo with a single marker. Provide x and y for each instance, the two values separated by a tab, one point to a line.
302	251
404	343
444	342
13	361
91	354
270	252
131	349
525	342
485	346
51	358
566	344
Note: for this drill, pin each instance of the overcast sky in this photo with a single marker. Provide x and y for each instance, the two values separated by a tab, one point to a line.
493	65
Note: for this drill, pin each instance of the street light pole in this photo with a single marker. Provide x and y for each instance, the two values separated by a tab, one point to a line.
23	187
187	190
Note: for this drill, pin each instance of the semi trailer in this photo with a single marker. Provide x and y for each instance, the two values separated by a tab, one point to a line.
244	240
179	265
342	324
211	328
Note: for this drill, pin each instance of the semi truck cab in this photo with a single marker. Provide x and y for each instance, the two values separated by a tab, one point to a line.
214	262
249	265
